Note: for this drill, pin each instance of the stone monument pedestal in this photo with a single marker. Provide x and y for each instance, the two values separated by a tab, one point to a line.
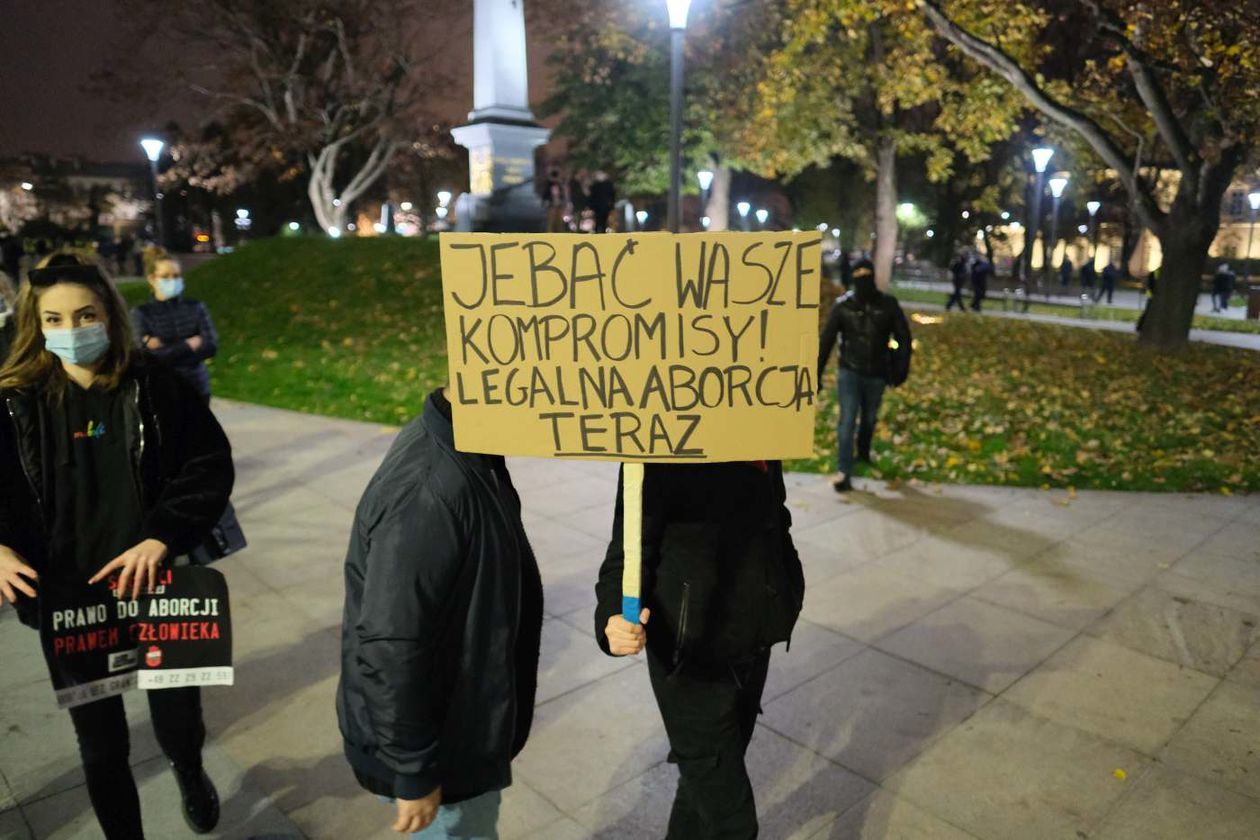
501	196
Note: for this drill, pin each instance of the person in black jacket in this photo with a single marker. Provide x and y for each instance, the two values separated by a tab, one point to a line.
175	329
864	320
958	271
602	199
721	584
441	632
111	466
981	271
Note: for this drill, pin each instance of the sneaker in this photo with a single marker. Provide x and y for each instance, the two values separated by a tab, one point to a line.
201	800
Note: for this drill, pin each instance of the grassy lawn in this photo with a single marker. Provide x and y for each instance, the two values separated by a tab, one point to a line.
1100	313
349	328
353	328
996	401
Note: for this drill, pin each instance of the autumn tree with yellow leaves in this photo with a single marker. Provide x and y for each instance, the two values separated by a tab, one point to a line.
1154	86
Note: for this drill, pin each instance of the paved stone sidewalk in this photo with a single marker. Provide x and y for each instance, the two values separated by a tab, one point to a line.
971	663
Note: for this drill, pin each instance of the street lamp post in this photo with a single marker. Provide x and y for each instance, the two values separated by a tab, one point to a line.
1254	200
1093	207
153	151
1057	186
1032	225
743	207
705	179
677	31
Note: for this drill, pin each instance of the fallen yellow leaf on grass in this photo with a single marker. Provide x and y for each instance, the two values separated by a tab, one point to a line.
1120	774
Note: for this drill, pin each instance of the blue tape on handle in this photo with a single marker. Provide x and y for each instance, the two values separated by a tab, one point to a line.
630	608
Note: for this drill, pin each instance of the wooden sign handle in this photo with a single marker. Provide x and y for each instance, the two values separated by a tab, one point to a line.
632	542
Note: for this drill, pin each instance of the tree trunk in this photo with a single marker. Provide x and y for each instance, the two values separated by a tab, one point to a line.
885	211
719	207
1170	311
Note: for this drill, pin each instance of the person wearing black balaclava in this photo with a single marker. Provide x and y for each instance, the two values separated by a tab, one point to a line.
862	322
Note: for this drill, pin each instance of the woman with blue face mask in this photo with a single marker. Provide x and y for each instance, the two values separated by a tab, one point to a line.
176	329
111	466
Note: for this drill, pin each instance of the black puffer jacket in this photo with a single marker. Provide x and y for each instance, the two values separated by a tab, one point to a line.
181	465
720	573
443	617
864	327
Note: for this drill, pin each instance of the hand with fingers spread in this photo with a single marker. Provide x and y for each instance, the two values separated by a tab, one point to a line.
137	566
417	814
624	638
15	576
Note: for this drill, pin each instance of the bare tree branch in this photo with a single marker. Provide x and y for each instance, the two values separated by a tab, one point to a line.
1094	134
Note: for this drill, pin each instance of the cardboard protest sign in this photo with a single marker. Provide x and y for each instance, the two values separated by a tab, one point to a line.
633	347
97	645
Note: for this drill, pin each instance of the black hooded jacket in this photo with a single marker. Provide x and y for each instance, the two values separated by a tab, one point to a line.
442	623
864	323
181	464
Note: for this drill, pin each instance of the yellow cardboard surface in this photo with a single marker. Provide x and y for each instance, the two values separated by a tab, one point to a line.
650	347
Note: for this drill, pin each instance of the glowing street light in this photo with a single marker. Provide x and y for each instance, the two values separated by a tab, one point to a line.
406	206
1006	216
1082	229
1093	207
153	151
930	234
1057	186
1041	159
442	212
677	32
966	214
28	186
705	221
444	198
743	207
334	231
705	178
762	215
641	216
294	226
1253	199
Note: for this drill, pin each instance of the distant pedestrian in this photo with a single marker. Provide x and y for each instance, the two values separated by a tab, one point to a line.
553	199
1222	287
175	329
1110	275
577	196
1089	275
863	321
981	271
958	271
11	258
1065	272
603	198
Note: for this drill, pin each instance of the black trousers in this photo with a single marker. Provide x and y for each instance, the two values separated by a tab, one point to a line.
980	289
710	719
105	744
956	298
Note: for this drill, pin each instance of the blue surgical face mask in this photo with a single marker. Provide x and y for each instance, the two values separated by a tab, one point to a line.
169	287
79	345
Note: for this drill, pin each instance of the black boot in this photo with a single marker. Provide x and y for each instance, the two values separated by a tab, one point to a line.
201	800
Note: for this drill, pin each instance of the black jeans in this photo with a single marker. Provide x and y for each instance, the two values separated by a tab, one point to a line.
105	743
956	298
710	719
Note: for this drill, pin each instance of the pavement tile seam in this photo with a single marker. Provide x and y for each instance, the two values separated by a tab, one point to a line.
1222	685
880	789
573	812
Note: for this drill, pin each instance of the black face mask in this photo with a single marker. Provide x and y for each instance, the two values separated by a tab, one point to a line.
864	287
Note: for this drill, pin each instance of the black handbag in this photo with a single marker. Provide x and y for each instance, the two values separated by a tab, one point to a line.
226	537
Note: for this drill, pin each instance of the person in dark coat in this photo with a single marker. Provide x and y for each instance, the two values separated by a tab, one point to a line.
1222	287
11	250
981	271
721	584
958	271
175	329
1089	274
441	632
863	320
1110	275
602	200
1065	272
112	467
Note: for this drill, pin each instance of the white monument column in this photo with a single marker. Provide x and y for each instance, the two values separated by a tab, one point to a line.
501	134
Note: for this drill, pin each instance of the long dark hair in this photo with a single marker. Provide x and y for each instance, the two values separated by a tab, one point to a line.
31	367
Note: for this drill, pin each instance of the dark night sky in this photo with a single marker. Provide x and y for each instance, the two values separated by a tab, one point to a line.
49	50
